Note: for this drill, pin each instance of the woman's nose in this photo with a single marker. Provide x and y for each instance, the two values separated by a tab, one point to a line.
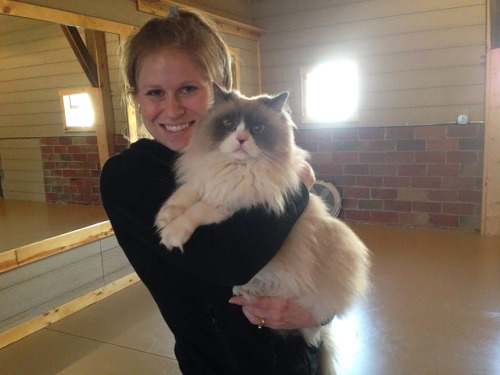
173	107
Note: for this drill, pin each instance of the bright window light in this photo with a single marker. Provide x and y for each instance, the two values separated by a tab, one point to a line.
330	92
79	108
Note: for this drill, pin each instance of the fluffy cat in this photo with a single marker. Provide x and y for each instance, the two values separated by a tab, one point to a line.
243	154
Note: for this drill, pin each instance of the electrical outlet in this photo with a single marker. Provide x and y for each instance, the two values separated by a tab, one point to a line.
463	119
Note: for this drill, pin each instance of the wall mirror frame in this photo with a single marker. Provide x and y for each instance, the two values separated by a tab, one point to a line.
31	252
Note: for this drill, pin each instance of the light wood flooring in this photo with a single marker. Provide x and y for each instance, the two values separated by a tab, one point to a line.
434	309
24	222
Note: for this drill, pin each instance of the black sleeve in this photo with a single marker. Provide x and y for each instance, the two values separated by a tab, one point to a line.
228	253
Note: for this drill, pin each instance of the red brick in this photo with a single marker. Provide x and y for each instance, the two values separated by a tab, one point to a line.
463	131
356	192
369	181
65	141
397	182
372	157
387	145
458	208
444	220
75	149
430	132
403	132
384	217
442	169
345	134
442	144
412	170
69	173
399	157
426	207
427	182
345	157
470	196
462	157
409	145
371	133
443	195
384	193
357	169
401	206
49	141
319	134
383	170
357	215
335	169
471	144
434	157
459	183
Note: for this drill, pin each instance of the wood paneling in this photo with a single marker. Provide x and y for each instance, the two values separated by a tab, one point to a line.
416	58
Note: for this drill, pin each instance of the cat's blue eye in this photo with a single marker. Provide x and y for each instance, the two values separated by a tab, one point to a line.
257	129
228	124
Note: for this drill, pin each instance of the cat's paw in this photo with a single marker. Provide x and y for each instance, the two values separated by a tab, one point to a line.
176	234
167	214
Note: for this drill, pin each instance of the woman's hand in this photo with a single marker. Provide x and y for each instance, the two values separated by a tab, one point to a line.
275	313
307	176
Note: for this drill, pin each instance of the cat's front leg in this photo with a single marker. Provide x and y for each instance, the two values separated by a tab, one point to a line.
178	232
179	202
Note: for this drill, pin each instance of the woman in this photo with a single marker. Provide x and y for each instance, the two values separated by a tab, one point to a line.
169	66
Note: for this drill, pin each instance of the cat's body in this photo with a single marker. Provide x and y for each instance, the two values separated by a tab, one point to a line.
242	155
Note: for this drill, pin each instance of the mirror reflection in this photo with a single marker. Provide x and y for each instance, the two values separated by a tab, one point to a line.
49	177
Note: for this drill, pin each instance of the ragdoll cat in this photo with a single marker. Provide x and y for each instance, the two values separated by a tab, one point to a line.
243	154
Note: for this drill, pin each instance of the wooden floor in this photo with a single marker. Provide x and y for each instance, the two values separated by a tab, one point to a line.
433	309
23	222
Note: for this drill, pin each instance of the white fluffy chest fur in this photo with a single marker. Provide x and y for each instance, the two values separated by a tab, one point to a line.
234	184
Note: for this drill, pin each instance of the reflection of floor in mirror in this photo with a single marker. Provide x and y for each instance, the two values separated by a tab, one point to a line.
434	308
24	222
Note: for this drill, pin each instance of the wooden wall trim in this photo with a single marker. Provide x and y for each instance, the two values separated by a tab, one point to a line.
42	249
225	25
490	222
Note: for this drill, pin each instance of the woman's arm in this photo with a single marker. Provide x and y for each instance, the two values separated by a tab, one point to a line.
229	253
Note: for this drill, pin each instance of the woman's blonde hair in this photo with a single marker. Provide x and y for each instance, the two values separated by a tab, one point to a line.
188	30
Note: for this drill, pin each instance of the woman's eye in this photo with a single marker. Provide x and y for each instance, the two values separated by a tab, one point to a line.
228	124
257	129
188	90
156	93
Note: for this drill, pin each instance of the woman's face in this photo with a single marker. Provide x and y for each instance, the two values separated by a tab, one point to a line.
173	95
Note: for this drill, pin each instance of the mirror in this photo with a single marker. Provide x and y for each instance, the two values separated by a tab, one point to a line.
49	178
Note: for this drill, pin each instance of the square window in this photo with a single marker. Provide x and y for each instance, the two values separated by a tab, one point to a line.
330	92
81	108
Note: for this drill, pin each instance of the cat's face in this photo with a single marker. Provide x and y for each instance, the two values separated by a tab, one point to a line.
248	129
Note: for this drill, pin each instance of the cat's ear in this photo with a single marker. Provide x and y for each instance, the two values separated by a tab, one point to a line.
219	94
277	102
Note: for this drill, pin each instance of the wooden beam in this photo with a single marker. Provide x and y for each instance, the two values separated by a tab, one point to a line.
161	8
105	131
15	8
82	54
490	223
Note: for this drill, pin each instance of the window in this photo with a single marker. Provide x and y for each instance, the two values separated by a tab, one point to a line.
330	92
81	108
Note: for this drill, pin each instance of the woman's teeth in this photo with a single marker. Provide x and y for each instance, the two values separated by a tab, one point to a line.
177	128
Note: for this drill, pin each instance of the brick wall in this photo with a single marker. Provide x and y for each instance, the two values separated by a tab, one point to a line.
72	168
427	176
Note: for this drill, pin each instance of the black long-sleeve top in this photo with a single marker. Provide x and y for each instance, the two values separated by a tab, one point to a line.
192	289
